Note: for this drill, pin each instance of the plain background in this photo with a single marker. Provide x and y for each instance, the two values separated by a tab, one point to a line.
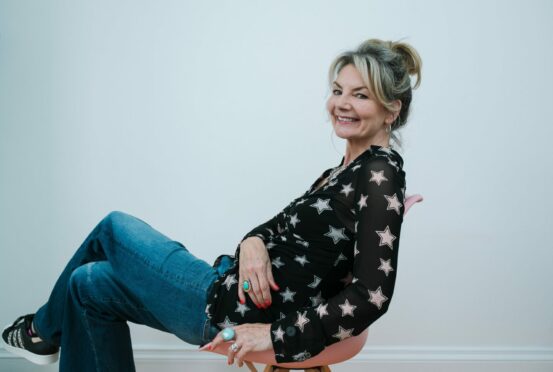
205	118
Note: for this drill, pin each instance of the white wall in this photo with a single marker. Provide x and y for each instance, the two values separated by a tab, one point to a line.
205	118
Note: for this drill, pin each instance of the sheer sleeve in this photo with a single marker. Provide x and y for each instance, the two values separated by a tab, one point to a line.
378	214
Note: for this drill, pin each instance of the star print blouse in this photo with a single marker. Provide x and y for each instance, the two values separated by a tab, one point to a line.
334	254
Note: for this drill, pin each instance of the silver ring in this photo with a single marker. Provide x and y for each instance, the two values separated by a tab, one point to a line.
234	347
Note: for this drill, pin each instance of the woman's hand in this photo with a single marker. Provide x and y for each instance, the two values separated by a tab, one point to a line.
248	337
255	266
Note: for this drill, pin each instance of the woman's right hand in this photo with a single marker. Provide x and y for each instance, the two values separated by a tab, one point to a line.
255	266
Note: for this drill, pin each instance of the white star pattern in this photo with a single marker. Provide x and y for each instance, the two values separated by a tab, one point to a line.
385	266
393	203
301	259
302	356
294	220
241	308
316	299
346	189
229	281
377	298
316	282
321	310
227	323
343	333
302	320
362	201
322	205
378	177
355	167
341	257
277	262
393	164
355	250
336	234
347	308
386	237
282	316
354	279
287	295
279	333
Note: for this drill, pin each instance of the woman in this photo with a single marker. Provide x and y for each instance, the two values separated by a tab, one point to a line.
321	270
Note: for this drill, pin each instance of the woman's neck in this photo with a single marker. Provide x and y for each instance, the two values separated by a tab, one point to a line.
353	150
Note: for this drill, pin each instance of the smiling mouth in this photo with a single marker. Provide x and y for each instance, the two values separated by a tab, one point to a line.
345	119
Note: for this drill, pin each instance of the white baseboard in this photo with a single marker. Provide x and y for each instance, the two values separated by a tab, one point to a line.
153	358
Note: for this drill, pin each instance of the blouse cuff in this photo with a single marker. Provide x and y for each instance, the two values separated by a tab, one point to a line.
290	344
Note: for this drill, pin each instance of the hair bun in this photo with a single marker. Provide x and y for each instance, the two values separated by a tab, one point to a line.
411	58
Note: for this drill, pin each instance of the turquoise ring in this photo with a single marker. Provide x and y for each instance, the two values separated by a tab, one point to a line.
246	286
228	334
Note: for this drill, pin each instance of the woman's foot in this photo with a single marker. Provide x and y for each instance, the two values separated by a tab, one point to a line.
20	339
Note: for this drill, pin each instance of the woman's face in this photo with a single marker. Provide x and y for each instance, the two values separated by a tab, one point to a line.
355	113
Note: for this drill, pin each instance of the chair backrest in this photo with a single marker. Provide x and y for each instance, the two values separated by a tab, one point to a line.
410	200
336	353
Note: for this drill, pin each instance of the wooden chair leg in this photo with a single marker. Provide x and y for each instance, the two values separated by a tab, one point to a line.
250	366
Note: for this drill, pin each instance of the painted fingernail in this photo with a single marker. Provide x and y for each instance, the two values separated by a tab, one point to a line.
242	301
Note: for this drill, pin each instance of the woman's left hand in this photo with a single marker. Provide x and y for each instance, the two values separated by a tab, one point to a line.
248	337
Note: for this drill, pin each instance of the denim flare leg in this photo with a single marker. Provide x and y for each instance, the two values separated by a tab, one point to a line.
125	271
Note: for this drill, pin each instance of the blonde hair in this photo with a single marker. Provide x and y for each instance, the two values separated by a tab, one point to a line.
385	67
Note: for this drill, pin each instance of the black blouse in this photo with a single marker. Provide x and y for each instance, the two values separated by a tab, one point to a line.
334	252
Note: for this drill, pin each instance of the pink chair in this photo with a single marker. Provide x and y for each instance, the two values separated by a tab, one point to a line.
333	354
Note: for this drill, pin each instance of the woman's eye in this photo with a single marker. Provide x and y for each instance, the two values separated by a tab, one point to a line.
336	92
359	95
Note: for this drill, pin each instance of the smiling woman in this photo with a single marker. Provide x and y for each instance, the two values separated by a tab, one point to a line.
320	271
371	89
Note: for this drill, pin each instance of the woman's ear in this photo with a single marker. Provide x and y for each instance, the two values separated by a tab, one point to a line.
395	112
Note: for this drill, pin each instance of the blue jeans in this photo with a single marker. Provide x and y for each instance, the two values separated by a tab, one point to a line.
125	271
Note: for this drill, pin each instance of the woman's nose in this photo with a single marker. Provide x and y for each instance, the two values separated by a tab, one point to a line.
343	102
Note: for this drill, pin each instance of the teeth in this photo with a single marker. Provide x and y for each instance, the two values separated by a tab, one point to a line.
341	118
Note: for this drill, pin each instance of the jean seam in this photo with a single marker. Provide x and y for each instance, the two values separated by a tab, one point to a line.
85	301
91	339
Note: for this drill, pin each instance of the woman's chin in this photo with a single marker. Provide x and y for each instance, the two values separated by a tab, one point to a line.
344	134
